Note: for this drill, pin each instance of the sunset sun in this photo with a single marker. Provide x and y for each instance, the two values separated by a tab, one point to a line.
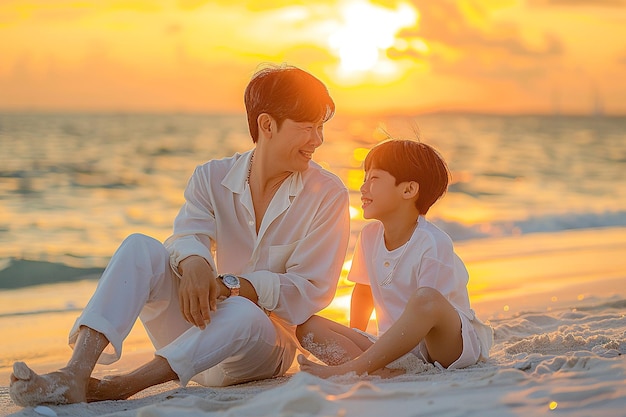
365	34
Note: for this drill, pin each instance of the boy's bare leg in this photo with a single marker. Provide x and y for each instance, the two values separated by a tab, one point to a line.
331	342
334	343
427	315
155	372
65	386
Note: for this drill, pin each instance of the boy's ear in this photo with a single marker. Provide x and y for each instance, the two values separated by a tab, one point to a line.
265	124
411	189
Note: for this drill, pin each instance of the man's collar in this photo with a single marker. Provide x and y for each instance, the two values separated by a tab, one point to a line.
237	177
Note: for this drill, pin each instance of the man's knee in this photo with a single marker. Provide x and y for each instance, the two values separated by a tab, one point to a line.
140	245
248	318
141	240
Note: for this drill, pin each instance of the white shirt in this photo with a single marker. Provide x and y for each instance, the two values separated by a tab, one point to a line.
428	261
295	260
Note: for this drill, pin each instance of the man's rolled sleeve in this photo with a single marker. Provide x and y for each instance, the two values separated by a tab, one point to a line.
184	247
267	286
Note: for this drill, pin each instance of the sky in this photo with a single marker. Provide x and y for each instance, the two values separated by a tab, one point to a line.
410	56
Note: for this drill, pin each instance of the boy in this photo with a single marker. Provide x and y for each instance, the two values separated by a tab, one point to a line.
405	268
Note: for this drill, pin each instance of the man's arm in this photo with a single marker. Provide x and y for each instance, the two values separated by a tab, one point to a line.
190	253
246	290
198	290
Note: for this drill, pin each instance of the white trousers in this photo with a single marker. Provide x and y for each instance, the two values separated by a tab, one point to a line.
240	343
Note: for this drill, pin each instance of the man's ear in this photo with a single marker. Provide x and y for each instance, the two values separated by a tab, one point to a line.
411	189
265	122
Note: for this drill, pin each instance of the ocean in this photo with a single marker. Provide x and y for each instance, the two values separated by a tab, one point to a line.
73	186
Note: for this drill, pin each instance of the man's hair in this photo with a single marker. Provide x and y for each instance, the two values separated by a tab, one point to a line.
408	160
286	92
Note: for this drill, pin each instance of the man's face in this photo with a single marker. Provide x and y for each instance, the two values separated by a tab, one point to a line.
295	142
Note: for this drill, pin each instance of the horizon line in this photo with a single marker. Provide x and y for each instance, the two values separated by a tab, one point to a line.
379	113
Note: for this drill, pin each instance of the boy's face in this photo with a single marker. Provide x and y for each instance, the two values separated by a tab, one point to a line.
380	196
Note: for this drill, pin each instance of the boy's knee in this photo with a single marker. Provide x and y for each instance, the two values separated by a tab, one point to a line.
426	299
305	328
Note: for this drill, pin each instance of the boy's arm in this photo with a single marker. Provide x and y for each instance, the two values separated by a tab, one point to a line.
361	306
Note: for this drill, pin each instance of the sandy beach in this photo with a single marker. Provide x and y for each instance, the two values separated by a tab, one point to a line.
556	302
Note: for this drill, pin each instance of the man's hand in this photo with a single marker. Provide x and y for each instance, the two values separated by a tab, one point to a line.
198	290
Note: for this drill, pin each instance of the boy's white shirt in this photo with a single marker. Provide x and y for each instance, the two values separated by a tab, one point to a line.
295	261
428	261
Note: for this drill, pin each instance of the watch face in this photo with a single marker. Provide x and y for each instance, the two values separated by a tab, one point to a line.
231	281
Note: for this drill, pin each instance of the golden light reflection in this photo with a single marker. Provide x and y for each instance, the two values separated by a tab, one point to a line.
367	32
359	154
354	179
338	310
342	302
346	267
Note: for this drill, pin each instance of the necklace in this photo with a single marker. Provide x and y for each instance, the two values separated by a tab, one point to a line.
250	168
389	276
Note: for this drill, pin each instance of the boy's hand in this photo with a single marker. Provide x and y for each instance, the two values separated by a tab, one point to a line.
198	290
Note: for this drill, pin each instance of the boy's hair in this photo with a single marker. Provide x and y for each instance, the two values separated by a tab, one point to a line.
286	92
408	160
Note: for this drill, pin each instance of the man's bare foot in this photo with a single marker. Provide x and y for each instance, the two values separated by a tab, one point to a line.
29	389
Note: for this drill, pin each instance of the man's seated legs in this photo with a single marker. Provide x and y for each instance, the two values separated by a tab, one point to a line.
138	273
239	344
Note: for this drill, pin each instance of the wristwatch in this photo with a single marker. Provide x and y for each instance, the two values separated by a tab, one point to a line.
232	283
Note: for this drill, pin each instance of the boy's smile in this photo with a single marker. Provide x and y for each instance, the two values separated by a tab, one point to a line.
379	194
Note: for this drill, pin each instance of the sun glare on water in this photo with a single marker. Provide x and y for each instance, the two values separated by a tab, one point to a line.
366	33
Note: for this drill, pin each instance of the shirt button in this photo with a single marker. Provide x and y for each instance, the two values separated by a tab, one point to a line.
386	263
251	223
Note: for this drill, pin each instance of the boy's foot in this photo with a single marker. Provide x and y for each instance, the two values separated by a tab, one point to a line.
29	389
387	373
324	371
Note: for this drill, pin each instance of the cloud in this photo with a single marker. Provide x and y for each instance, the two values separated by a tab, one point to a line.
191	4
577	3
467	42
251	5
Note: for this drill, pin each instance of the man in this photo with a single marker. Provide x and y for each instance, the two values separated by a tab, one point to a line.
257	249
